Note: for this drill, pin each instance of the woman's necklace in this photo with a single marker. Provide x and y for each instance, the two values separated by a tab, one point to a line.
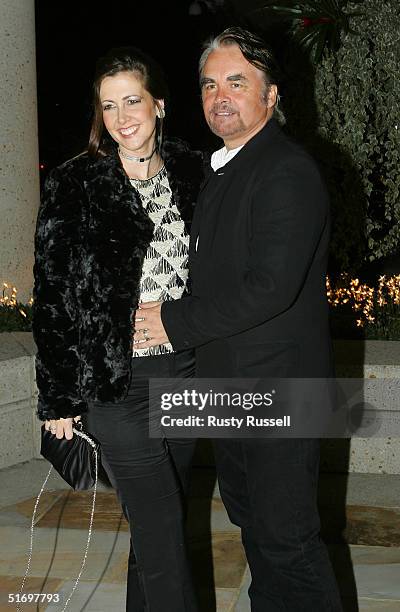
133	158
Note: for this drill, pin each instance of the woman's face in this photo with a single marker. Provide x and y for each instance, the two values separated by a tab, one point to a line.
129	112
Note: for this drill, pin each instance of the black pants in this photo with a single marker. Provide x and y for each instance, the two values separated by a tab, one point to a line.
150	475
269	488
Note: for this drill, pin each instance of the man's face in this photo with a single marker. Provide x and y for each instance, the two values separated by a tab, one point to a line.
236	102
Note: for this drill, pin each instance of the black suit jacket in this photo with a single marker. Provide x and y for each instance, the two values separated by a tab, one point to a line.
258	257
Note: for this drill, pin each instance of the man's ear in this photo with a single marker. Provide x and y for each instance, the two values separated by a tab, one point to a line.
272	96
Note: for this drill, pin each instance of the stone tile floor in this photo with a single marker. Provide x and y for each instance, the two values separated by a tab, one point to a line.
371	565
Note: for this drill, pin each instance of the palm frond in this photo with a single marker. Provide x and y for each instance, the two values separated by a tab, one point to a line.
316	24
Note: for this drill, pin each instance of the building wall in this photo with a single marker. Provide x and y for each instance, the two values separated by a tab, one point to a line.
19	160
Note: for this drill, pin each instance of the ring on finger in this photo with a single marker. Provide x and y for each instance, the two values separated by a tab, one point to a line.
145	334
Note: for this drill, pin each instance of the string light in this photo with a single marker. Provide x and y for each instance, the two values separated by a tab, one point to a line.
9	296
8	299
366	300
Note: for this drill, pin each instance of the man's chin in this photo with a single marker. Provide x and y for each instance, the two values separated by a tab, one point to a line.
224	131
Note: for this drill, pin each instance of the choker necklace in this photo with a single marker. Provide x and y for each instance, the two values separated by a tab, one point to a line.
133	158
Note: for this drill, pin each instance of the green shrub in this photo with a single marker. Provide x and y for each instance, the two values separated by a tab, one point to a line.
357	93
341	96
12	317
359	310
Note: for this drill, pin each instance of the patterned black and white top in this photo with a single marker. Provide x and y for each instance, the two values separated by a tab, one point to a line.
164	273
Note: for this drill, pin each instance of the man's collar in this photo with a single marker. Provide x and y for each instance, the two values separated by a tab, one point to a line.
263	138
223	156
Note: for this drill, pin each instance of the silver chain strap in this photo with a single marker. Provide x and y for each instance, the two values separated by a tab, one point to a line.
82	435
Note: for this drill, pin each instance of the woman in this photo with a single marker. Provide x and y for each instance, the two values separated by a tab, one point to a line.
112	230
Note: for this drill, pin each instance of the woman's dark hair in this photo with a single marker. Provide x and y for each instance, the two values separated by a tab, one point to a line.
254	50
124	59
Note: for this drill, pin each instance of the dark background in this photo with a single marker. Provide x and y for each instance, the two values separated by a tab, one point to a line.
70	36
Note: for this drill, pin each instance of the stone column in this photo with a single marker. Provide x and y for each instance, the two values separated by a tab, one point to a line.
19	159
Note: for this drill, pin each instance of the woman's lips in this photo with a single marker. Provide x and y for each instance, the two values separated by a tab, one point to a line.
129	131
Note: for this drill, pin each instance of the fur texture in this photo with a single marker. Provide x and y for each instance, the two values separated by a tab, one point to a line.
91	238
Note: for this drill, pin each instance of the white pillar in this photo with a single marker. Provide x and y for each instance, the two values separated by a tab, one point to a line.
19	159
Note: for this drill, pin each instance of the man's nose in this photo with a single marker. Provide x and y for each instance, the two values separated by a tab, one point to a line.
222	95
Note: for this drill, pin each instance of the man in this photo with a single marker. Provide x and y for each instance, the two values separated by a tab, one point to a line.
258	308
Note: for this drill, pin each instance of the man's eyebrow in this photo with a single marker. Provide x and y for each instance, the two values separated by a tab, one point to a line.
237	77
231	77
205	80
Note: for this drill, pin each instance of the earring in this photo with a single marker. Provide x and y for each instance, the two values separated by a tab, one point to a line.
161	113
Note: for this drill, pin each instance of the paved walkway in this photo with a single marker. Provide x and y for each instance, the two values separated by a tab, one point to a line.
373	528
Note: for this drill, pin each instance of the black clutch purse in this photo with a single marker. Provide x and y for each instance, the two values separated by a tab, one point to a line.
76	460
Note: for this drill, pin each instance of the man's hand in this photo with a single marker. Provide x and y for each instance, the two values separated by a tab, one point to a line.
149	330
61	427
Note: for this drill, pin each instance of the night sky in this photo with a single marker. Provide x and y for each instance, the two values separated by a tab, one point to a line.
72	35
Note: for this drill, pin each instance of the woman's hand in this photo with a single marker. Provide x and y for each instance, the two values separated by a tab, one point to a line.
61	427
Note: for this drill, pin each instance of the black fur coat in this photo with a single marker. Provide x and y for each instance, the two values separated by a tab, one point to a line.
91	238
